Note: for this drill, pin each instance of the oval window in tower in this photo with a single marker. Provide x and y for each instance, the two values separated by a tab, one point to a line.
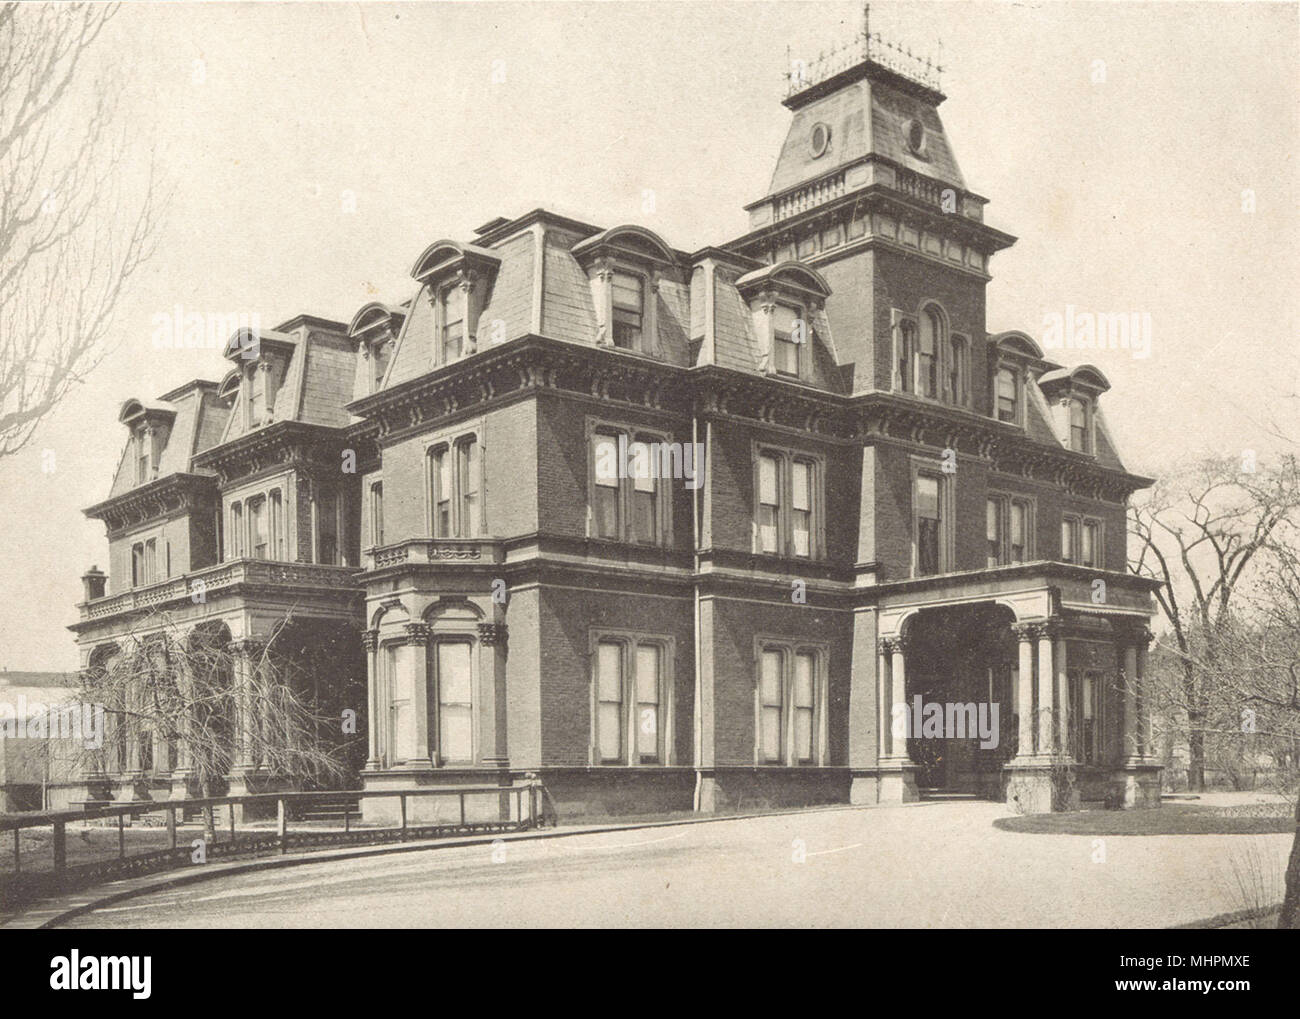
820	140
914	131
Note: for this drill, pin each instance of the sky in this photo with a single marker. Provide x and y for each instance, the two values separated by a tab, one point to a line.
1143	154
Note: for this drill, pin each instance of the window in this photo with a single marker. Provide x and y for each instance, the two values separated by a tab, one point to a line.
645	497
928	523
1007	395
257	527
771	705
467	476
277	526
455	485
1008	526
1069	539
257	395
787	490
629	499
1018	536
958	370
628	310
442	489
453	324
993	531
327	525
453	682
631	706
1079	426
769	503
649	681
137	565
237	536
788	709
1090	544
377	513
144	459
927	354
787	328
398	681
906	344
609	702
381	354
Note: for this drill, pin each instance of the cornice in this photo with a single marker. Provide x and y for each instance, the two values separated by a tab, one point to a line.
282	443
174	493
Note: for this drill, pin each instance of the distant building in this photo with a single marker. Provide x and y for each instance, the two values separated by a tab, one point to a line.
889	502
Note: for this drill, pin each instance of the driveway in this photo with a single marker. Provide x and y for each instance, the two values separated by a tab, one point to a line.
939	864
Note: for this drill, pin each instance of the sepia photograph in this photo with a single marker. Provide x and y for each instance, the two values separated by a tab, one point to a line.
657	465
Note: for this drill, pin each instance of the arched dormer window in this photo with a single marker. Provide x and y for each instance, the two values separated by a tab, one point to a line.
260	357
624	267
457	279
1072	394
375	329
1012	358
784	300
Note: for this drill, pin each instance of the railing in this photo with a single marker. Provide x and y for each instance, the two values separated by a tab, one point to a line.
808	197
435	550
222	575
921	188
510	808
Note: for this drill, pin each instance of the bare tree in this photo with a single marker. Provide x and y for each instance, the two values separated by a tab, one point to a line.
1203	532
175	693
70	239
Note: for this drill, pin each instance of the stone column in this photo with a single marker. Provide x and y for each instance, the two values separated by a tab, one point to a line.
375	756
1062	693
1137	777
494	638
897	771
1046	634
1025	689
183	771
417	638
1145	724
885	691
244	653
1130	700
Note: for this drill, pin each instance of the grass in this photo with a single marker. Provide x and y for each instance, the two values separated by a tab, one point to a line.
1170	819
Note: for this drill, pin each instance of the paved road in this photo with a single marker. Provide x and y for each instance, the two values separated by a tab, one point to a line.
922	865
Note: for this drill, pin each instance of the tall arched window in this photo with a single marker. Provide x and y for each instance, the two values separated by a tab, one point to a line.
927	353
957	370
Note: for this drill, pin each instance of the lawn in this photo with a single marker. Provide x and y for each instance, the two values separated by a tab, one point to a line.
1170	819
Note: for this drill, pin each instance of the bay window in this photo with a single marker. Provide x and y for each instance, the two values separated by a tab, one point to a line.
452	681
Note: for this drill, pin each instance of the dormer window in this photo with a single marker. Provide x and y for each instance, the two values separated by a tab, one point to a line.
144	456
629	310
451	328
1008	395
381	353
624	267
1079	426
787	327
1014	361
458	279
257	396
1072	395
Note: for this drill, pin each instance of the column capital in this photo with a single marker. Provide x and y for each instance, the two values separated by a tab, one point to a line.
370	639
493	634
896	644
1037	629
418	633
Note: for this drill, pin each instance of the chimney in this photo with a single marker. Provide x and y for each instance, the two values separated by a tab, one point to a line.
93	581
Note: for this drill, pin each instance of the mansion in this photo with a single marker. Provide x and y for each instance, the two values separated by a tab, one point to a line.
842	494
